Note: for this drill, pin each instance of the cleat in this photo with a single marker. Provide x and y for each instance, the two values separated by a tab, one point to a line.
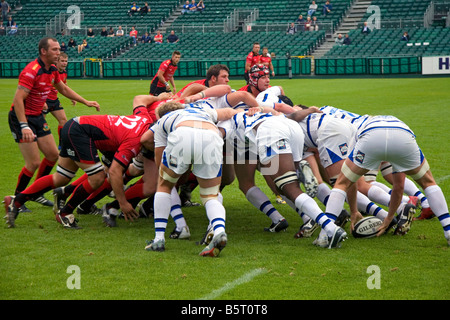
68	221
24	209
207	237
146	209
11	211
109	215
43	201
59	199
405	220
338	236
215	246
92	210
159	245
189	203
426	213
282	224
343	218
321	240
183	234
280	200
307	178
307	229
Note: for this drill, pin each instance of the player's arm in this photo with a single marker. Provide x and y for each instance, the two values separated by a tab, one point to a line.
72	95
242	96
19	108
148	140
193	89
302	114
172	82
216	91
271	69
226	113
116	171
144	100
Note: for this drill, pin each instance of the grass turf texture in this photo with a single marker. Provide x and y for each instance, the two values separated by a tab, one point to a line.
34	256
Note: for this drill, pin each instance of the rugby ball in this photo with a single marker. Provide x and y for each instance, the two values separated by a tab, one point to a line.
367	227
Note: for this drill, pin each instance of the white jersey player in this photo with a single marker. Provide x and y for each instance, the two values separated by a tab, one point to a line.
386	138
278	142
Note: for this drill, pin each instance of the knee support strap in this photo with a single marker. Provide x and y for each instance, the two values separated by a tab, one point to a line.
422	171
166	176
210	193
64	172
288	177
349	174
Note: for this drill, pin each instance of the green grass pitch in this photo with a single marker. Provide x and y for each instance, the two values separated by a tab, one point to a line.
36	256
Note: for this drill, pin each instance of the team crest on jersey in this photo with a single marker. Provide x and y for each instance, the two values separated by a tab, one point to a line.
281	144
343	148
173	161
360	156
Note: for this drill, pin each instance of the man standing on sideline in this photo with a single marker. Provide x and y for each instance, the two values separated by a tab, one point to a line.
252	59
26	120
160	82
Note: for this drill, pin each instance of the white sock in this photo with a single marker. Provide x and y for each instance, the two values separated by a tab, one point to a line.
367	206
306	204
323	193
261	202
335	203
175	210
438	205
161	206
216	215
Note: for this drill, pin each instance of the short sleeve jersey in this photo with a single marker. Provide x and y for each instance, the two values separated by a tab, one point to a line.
265	60
253	59
54	93
40	82
169	70
118	134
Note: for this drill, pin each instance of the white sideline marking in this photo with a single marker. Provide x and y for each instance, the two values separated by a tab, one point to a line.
231	285
442	179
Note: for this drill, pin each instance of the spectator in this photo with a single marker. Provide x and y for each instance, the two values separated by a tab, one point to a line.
158	38
300	22
104	33
13	29
347	40
339	40
200	6
134	34
133	9
111	32
9	22
63	46
292	29
90	33
145	9
5	9
2	28
172	38
314	24
405	36
308	23
365	30
146	38
119	32
72	43
192	7
82	46
312	8
185	7
327	7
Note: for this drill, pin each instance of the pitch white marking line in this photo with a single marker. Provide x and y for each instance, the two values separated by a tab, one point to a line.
442	179
231	285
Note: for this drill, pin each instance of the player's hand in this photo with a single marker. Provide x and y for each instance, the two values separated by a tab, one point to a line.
354	218
254	110
128	212
386	222
314	109
93	104
28	135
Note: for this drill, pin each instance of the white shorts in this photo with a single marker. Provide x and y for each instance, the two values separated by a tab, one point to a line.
201	148
278	135
335	141
396	146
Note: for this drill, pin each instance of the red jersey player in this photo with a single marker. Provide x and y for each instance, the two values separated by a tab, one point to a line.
26	121
266	60
160	82
81	137
252	59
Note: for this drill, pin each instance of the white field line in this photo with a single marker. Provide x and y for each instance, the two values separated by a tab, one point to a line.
231	285
442	179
